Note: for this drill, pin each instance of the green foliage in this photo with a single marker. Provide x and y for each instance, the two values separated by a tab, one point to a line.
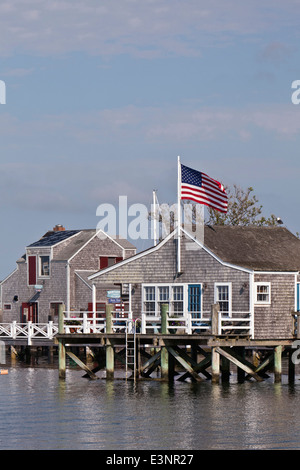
243	209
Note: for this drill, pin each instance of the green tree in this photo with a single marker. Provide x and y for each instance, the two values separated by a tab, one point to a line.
243	209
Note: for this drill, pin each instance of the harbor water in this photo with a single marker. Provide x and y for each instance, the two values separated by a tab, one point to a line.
40	412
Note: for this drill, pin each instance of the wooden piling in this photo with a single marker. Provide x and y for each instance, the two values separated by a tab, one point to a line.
291	370
240	371
225	369
164	356
215	319
215	365
61	344
110	360
277	363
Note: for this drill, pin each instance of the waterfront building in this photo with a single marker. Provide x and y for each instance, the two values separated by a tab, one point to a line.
54	270
251	272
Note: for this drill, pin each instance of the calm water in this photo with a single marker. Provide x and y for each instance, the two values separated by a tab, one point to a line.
38	411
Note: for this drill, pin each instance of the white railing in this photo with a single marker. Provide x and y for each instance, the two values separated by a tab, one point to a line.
82	322
191	323
187	324
89	322
236	324
29	331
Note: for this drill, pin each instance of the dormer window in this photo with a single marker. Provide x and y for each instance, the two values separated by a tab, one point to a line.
44	266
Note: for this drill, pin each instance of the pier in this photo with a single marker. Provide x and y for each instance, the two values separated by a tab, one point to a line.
205	356
159	350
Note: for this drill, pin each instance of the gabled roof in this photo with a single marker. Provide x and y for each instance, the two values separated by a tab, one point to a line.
258	248
76	240
250	248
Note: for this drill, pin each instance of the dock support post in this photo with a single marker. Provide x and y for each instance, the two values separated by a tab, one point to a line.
225	369
215	365
240	372
109	348
215	319
164	356
61	344
277	363
291	372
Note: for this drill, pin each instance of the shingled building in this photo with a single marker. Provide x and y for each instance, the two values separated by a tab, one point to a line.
54	270
251	272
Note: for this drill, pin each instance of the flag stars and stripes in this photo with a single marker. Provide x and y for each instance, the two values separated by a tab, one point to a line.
199	187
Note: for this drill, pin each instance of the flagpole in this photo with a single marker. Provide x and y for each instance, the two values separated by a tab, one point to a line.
154	217
179	217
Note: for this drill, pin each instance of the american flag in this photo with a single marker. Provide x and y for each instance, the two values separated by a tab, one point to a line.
199	187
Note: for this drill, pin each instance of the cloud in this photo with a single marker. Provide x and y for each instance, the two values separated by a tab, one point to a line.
17	72
73	162
151	28
146	125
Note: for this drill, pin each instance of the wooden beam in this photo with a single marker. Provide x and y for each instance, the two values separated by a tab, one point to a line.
149	362
239	362
199	368
82	365
100	360
152	368
181	361
265	365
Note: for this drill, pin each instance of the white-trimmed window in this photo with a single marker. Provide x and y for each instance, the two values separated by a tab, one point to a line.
262	293
223	297
6	307
156	295
177	301
149	300
44	266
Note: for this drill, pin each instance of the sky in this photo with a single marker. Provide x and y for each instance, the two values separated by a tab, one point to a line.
103	95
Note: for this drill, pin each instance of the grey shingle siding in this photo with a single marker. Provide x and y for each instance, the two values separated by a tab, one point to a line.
197	266
85	250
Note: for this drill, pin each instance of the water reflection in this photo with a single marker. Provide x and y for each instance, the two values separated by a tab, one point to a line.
39	411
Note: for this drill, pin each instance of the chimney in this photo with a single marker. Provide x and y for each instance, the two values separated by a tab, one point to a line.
58	228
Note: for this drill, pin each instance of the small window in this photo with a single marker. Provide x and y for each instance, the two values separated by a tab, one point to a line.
108	261
223	298
263	293
177	301
7	307
44	266
149	303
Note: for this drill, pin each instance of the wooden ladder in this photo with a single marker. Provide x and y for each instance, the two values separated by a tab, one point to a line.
130	342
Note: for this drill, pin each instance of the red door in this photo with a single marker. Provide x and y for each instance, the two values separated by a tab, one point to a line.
29	312
100	309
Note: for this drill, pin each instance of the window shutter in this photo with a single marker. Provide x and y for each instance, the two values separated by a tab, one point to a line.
31	270
119	259
103	262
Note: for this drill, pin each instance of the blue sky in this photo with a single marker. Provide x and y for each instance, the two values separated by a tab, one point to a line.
103	95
